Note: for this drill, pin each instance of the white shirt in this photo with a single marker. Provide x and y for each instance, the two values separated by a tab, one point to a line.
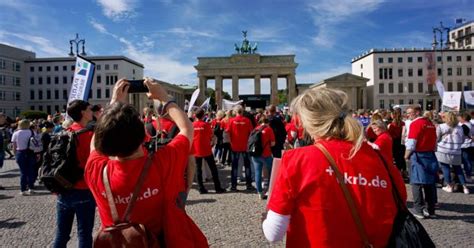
20	138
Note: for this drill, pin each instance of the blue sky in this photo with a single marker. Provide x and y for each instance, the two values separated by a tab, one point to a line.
167	35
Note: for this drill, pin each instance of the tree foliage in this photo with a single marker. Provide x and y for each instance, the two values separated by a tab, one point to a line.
34	114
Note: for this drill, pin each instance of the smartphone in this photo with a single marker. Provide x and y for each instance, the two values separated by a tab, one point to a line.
137	86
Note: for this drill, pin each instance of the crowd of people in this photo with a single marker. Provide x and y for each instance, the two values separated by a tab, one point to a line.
374	151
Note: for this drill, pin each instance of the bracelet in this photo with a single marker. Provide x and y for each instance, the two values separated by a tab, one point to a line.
163	110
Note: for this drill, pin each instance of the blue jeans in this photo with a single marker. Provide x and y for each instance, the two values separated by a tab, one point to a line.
467	157
27	163
447	173
258	163
81	204
235	169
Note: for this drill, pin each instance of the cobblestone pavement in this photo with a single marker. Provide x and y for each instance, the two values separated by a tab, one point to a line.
228	220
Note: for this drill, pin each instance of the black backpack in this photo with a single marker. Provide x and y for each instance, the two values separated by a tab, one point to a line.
60	168
254	143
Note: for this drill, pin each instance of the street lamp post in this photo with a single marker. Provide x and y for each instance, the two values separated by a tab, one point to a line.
441	29
77	42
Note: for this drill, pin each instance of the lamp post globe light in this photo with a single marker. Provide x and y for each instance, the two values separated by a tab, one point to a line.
77	42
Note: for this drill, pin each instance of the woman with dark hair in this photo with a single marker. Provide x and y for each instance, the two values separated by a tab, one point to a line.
308	203
395	129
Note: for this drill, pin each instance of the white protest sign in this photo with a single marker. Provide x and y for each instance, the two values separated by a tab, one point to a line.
469	98
227	105
83	76
451	101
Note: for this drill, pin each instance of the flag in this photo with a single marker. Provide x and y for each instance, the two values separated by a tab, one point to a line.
82	82
227	105
205	104
440	88
194	97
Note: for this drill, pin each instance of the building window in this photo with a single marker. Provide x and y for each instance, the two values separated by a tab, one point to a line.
401	101
40	80
440	72
410	101
64	68
382	104
420	72
381	88
32	80
133	71
458	58
3	64
32	69
380	73
32	95
420	59
99	94
459	86
450	71
107	67
469	71
48	109
40	95
420	87
449	59
56	68
438	58
64	80
73	67
390	88
361	66
410	72
97	67
450	86
400	87
410	59
99	79
468	58
390	60
40	108
2	96
459	71
115	67
400	60
469	85
40	68
390	73
65	94
391	102
48	94
48	80
56	80
56	94
380	60
107	93
17	96
17	81
410	87
362	74
48	68
16	66
400	72
32	107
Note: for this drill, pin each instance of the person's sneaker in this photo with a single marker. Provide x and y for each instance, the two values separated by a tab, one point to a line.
31	192
251	188
448	188
427	214
220	191
233	189
203	191
418	215
465	190
24	193
262	196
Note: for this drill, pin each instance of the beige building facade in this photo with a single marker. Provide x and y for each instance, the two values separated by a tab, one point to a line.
462	36
248	66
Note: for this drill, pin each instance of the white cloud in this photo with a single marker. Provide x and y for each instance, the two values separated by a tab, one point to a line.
190	32
98	26
117	9
328	14
316	77
34	43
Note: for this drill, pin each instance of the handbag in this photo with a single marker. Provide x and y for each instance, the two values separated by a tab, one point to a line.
124	233
407	231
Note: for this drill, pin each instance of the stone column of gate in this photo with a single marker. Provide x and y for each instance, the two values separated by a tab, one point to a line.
235	88
202	87
274	89
257	85
218	91
291	86
354	98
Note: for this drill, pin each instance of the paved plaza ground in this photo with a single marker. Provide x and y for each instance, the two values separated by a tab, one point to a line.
228	220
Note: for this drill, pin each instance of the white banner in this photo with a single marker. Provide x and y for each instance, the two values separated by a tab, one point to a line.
194	97
469	98
227	105
82	81
451	101
205	104
440	88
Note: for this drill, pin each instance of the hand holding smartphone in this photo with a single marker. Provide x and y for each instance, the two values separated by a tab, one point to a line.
137	86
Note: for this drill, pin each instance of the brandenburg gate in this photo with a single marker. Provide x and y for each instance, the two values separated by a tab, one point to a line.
247	64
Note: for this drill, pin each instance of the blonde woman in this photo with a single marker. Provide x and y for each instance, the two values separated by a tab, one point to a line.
24	157
450	138
308	204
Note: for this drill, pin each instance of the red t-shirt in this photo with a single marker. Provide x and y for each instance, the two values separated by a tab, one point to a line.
307	189
82	150
239	129
384	142
371	136
290	127
164	179
202	138
396	130
424	132
267	138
